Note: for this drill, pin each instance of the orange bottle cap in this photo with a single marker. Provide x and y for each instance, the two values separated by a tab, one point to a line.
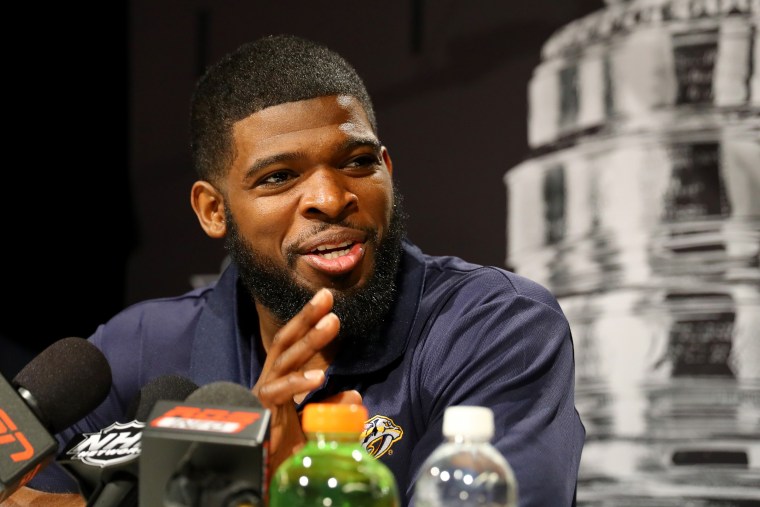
334	418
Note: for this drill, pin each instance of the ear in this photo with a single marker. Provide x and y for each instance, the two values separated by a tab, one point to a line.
208	204
387	159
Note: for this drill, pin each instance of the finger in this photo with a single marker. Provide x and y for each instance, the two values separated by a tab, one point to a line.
299	353
351	397
280	391
306	319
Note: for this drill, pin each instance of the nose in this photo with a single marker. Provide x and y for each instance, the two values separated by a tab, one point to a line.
327	196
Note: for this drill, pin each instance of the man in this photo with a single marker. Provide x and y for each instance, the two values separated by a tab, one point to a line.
325	297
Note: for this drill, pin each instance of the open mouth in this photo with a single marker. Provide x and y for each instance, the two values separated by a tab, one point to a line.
333	251
335	258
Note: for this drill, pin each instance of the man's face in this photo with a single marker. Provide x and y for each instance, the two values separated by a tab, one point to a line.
309	204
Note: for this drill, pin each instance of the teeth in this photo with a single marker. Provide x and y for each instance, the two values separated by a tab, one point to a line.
322	248
335	254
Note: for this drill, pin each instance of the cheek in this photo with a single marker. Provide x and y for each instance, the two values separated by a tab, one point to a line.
380	201
265	222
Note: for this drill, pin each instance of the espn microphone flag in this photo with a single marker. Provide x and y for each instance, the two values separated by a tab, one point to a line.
25	445
57	388
210	450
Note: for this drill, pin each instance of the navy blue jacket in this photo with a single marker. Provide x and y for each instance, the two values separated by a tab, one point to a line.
458	334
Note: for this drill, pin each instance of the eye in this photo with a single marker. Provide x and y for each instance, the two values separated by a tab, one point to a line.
367	160
275	179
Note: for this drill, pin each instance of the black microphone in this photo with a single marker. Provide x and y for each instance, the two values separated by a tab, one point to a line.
65	382
210	450
106	463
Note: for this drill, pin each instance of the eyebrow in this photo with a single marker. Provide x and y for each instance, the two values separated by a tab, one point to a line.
347	145
357	142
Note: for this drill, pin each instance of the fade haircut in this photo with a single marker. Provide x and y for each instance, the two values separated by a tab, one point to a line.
266	72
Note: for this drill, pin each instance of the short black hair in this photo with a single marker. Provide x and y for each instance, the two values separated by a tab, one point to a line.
266	72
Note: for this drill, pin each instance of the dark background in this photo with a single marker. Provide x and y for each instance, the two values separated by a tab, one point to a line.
97	198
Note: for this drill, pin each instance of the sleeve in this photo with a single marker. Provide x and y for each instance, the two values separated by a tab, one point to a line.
509	349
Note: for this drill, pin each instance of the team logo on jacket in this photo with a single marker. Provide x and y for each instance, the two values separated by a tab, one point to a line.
115	444
379	434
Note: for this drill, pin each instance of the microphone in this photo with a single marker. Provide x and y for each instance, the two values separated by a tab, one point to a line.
62	384
106	463
210	450
166	387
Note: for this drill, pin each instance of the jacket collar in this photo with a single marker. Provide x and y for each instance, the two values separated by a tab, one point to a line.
223	352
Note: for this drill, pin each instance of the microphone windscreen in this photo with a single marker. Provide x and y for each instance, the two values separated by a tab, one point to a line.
67	380
224	393
165	387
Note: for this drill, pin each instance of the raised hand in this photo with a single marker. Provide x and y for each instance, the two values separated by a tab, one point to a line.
294	366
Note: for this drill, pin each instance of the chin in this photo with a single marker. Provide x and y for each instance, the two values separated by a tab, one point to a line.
343	284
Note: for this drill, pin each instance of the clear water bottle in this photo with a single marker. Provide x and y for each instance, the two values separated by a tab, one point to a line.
466	470
333	469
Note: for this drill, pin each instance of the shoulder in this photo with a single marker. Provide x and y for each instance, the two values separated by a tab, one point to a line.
467	310
152	337
168	311
449	276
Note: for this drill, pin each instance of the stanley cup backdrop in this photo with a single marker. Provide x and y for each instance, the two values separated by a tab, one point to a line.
639	206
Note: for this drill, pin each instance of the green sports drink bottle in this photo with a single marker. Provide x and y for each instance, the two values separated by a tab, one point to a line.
333	469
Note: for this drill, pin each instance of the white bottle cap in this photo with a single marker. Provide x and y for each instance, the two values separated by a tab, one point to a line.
471	421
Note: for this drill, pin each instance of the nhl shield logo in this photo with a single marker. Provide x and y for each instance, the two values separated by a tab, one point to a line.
118	443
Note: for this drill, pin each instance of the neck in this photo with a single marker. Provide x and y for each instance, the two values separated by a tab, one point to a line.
268	326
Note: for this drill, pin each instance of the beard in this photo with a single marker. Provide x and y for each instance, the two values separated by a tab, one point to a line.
360	309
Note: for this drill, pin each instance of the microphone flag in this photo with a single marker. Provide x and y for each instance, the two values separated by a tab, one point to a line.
204	452
26	447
